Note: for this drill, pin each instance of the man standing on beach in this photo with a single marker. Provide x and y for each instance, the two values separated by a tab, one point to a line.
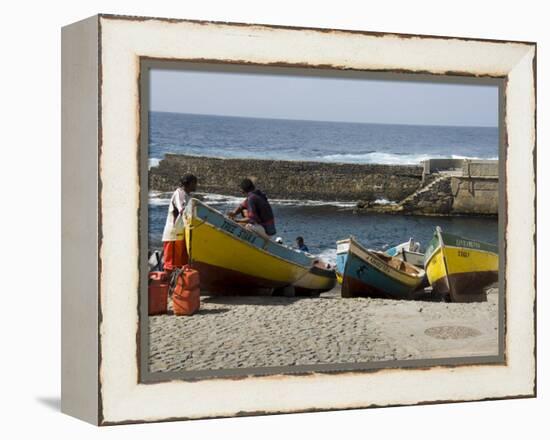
259	215
173	237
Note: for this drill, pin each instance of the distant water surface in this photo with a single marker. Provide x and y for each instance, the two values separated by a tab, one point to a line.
222	136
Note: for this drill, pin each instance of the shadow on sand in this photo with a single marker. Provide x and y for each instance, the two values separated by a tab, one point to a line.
252	300
204	311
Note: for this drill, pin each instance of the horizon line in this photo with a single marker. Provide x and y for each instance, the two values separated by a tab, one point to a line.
324	120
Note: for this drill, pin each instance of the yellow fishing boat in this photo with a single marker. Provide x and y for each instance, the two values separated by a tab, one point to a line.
460	269
320	278
234	260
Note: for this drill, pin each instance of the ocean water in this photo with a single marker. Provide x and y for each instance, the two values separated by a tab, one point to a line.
222	136
322	223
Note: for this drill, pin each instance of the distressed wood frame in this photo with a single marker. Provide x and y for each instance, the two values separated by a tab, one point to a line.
101	206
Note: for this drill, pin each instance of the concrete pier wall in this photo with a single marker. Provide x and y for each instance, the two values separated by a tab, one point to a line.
473	195
291	179
454	195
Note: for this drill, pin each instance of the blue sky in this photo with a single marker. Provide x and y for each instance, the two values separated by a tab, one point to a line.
323	99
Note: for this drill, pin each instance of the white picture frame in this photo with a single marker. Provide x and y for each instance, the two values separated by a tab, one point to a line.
101	59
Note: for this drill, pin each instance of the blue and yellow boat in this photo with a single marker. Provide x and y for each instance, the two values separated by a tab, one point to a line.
342	250
234	260
371	273
459	268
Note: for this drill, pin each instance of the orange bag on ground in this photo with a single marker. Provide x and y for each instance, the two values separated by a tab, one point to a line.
186	294
158	293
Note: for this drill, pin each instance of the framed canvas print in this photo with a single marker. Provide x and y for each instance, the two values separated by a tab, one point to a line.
264	219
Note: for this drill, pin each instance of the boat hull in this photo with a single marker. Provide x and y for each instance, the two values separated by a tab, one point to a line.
222	281
234	260
317	280
342	251
461	269
367	274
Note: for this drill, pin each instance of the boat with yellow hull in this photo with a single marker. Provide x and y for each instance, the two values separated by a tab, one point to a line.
460	269
320	278
234	260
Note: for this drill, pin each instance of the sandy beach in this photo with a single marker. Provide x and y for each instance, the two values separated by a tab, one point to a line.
243	332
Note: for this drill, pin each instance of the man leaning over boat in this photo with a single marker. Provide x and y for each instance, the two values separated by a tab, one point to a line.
256	209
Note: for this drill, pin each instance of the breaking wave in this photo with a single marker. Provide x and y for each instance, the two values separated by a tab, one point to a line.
163	199
376	157
154	162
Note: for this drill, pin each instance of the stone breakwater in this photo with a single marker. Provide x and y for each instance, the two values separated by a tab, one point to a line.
453	187
291	179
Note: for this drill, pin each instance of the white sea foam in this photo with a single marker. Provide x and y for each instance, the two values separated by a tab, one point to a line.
458	156
329	255
220	198
153	162
293	202
157	198
384	202
163	198
390	158
159	202
223	199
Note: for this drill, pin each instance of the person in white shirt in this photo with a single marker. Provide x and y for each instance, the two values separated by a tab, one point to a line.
173	237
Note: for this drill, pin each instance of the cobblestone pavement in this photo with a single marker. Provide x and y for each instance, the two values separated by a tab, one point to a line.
244	332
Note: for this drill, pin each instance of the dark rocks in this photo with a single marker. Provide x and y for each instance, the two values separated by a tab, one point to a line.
365	204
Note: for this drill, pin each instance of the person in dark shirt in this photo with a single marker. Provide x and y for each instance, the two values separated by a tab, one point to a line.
301	245
256	209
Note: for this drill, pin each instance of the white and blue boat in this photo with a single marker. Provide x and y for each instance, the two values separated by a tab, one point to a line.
365	272
409	252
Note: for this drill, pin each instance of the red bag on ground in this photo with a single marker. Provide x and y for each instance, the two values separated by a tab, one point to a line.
158	293
186	294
